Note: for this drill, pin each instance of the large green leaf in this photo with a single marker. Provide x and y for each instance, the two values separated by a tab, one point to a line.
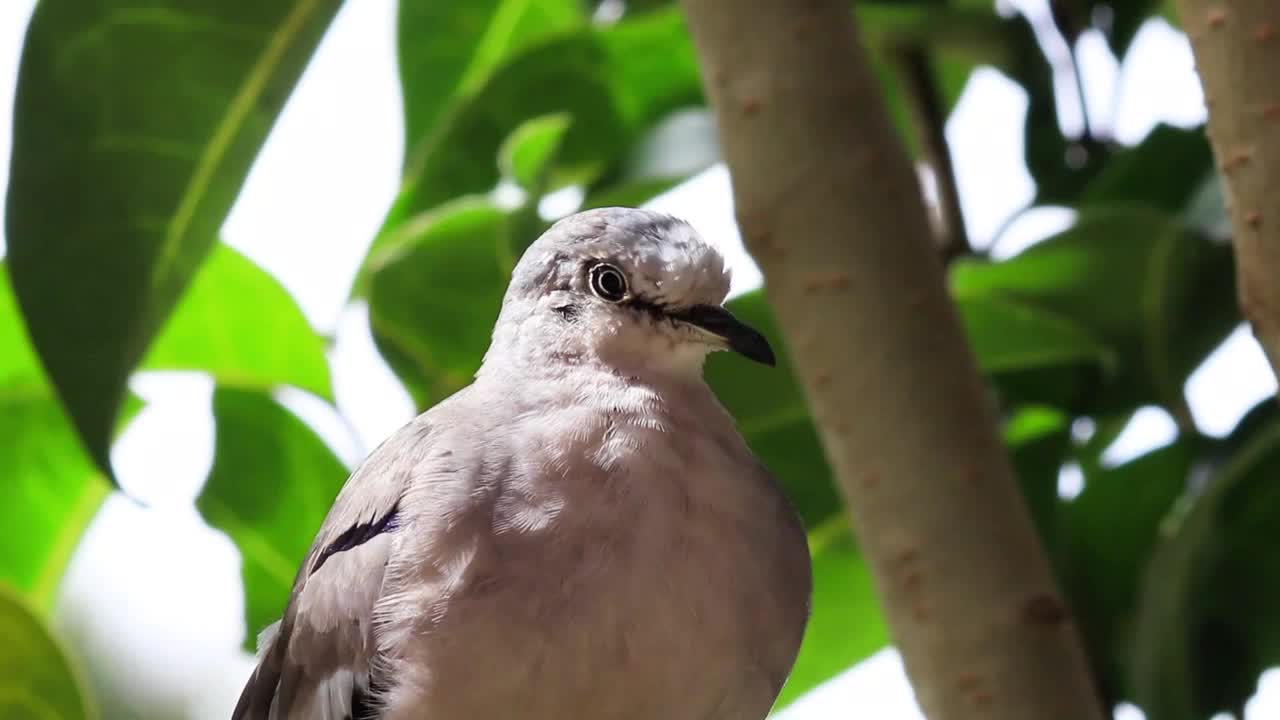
653	68
1161	296
1104	543
846	625
37	680
1208	622
1033	355
272	483
564	74
51	489
447	50
238	324
1163	172
134	128
434	294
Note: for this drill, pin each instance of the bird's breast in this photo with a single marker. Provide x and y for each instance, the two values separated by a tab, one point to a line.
641	569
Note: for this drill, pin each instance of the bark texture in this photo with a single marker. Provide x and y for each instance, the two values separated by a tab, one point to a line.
830	208
1237	51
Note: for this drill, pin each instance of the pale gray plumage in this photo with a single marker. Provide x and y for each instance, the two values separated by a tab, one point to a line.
581	532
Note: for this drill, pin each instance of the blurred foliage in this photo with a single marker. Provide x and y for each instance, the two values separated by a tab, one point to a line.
134	130
37	680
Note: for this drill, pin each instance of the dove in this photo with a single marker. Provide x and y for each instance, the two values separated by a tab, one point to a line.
581	532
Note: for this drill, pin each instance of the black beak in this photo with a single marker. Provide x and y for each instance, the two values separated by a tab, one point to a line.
736	335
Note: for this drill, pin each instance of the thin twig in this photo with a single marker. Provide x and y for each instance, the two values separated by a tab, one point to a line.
930	123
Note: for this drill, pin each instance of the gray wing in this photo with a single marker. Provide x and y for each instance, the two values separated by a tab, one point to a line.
315	661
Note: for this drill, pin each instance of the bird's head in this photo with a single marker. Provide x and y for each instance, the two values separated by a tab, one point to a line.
632	289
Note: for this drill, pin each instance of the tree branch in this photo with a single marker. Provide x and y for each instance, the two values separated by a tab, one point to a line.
930	123
1237	51
830	208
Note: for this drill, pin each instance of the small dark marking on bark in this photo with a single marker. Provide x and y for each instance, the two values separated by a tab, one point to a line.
1254	218
827	281
1271	111
1044	609
1216	17
982	699
968	681
920	612
871	478
1265	32
821	378
911	582
750	105
907	555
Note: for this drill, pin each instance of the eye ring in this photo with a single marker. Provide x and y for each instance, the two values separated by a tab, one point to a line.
607	282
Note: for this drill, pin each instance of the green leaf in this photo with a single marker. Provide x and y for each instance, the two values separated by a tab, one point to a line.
51	489
527	154
134	128
846	625
1161	296
652	66
238	323
1038	439
1105	540
447	50
37	679
679	145
1163	172
51	493
1033	355
1207	624
272	483
434	294
565	74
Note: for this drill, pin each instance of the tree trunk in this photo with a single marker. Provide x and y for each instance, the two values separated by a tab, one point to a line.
830	208
1237	50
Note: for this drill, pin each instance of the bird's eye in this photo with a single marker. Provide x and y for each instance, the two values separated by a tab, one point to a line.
608	282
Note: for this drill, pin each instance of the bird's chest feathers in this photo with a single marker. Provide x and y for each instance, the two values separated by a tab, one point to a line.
647	528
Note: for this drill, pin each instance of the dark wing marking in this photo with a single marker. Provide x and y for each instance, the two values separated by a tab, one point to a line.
357	535
266	685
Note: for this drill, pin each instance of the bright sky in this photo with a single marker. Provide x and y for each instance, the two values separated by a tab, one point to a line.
154	596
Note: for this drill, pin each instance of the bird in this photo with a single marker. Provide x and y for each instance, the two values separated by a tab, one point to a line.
581	532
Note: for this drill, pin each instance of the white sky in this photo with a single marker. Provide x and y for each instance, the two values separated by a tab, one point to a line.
154	597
